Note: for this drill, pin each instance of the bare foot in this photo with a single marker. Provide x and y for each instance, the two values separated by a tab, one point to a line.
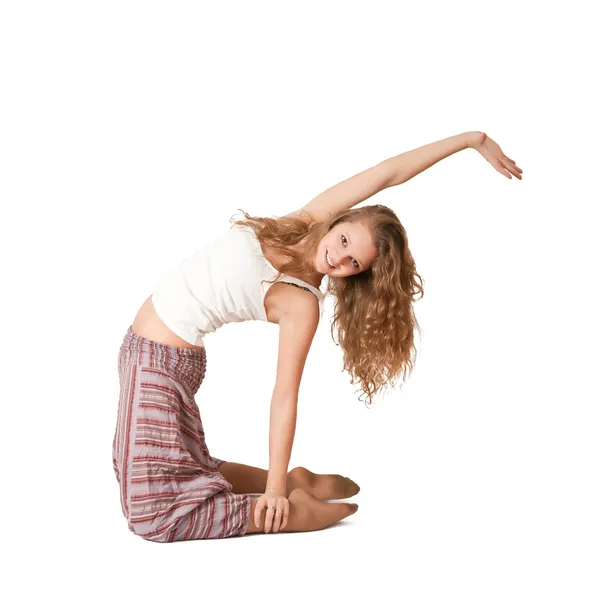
322	487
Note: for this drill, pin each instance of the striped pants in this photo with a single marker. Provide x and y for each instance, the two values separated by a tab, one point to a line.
171	487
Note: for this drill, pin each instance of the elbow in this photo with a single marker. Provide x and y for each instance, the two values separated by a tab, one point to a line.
284	401
389	174
283	397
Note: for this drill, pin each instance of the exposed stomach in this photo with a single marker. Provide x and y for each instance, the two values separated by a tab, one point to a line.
148	324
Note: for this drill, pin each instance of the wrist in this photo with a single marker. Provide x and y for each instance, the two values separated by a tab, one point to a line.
474	139
276	485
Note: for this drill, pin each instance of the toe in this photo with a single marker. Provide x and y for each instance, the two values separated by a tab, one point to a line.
353	487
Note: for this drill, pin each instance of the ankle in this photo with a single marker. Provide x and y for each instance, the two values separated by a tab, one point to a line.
299	477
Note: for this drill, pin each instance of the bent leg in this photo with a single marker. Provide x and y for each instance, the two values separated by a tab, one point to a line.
306	513
246	479
219	516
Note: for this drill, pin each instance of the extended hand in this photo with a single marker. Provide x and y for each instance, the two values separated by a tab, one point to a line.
278	509
488	148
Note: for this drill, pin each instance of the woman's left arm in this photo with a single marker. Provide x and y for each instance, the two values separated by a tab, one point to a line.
405	166
398	169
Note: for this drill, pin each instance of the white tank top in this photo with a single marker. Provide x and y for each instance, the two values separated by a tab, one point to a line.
219	284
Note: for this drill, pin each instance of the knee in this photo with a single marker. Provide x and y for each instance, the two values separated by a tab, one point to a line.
162	537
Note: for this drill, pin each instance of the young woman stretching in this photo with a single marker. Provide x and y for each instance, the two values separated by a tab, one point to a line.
172	489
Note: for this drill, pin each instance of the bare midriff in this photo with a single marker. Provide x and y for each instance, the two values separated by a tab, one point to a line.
148	324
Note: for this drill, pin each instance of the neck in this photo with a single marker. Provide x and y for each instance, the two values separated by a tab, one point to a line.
314	278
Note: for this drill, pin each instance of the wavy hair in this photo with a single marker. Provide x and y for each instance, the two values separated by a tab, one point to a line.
373	310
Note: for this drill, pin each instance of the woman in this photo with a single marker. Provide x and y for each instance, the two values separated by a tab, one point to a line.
171	487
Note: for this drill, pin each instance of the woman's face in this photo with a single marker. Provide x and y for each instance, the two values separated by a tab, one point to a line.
349	247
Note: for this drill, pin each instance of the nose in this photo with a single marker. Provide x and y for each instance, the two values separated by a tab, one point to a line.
341	258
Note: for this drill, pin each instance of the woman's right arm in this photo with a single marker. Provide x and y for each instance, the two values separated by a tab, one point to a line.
297	326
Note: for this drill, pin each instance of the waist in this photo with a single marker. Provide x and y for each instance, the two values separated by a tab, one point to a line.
149	324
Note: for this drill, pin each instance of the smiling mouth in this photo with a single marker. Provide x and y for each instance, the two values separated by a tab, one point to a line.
327	259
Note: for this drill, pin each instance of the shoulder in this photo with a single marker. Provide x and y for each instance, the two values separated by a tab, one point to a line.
298	320
293	305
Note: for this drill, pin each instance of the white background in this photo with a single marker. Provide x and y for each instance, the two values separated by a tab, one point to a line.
132	131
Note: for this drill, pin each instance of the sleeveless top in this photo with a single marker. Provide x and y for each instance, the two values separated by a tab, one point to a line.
220	283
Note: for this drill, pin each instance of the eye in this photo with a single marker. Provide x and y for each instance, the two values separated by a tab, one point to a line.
354	262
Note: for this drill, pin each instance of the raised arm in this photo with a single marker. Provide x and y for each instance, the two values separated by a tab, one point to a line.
387	173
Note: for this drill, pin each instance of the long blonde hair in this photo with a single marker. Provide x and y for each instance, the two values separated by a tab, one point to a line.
373	312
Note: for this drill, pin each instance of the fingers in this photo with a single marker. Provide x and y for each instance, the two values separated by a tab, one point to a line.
282	508
514	163
501	168
509	165
269	518
502	163
276	513
258	510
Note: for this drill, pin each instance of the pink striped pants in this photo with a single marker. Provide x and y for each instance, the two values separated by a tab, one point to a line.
171	487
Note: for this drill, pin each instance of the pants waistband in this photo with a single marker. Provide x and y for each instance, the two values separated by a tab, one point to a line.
187	365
